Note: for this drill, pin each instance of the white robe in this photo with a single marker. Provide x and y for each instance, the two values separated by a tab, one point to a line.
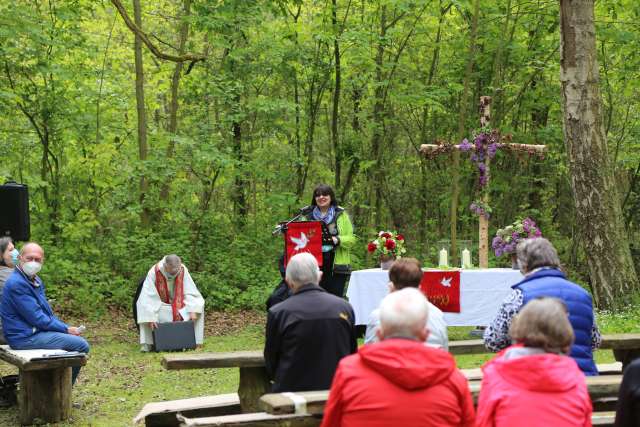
152	309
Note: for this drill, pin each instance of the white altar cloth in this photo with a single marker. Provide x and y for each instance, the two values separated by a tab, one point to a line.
481	294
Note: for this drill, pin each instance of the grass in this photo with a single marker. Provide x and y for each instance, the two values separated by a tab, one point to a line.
119	380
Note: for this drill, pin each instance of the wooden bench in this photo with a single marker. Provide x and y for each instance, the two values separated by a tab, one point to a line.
163	414
254	381
257	419
313	402
625	347
45	386
262	419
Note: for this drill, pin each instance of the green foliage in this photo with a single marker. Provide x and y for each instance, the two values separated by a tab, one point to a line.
254	131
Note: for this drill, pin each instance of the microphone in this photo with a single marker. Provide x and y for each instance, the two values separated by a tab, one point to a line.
306	210
277	230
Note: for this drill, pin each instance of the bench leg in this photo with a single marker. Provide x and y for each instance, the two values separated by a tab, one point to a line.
626	356
254	382
45	395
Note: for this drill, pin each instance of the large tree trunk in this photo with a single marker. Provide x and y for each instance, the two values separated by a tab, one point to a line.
596	196
142	114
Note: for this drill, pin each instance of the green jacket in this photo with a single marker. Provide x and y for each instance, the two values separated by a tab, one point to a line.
345	235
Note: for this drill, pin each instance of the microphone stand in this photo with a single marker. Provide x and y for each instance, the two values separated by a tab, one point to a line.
281	228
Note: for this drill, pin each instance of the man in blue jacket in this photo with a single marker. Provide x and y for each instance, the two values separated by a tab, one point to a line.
540	265
27	319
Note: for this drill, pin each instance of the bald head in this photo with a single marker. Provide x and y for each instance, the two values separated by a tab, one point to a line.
32	252
404	313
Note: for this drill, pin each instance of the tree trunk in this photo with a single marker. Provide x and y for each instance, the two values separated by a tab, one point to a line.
336	95
354	167
425	137
462	117
377	137
596	196
175	84
298	109
142	115
240	181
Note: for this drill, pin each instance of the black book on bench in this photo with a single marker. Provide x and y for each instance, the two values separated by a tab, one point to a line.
173	336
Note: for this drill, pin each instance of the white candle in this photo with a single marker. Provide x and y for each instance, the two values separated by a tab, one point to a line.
466	258
444	258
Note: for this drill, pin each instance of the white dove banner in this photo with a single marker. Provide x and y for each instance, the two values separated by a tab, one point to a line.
442	288
303	236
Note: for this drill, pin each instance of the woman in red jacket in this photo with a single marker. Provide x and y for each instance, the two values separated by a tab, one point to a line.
534	383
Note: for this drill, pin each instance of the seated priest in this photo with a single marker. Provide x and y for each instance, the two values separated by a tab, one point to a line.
169	295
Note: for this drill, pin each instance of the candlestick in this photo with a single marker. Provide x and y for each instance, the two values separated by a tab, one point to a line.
466	258
444	258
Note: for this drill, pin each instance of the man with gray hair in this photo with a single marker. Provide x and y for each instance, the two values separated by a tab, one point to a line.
308	333
540	264
399	381
169	294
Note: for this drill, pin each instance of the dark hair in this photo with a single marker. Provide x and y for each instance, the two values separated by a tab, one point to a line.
324	190
4	244
405	273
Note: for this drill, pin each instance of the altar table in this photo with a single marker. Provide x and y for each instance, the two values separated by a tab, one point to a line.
481	293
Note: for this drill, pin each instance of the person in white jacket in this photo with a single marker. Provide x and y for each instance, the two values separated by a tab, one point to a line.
169	295
407	273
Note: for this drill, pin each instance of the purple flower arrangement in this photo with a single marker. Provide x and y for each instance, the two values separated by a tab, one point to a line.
485	146
506	239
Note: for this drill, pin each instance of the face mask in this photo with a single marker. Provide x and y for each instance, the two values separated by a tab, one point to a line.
14	256
31	268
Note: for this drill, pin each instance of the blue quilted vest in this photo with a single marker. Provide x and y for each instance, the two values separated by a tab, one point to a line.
550	282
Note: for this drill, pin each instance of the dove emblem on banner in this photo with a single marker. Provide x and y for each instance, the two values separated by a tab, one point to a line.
300	242
303	236
446	282
442	288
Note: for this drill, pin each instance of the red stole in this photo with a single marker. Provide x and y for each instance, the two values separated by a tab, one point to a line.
178	292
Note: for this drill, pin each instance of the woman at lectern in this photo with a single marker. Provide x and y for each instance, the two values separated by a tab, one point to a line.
337	239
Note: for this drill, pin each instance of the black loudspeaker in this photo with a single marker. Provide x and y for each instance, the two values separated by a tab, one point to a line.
14	211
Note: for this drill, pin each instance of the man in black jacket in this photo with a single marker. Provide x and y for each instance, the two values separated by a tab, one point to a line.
308	333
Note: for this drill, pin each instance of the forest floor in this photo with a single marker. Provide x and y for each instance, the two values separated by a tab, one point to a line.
119	380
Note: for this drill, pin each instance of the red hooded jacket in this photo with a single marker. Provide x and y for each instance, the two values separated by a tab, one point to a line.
398	382
533	391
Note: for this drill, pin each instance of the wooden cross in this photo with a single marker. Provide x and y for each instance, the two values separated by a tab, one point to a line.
433	150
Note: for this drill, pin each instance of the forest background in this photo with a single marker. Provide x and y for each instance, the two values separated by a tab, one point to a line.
236	109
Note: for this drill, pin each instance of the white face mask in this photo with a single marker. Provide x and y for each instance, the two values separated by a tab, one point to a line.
31	268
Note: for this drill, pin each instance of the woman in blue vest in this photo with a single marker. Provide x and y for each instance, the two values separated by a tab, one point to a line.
539	263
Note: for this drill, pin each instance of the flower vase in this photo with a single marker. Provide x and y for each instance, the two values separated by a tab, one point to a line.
514	262
386	261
